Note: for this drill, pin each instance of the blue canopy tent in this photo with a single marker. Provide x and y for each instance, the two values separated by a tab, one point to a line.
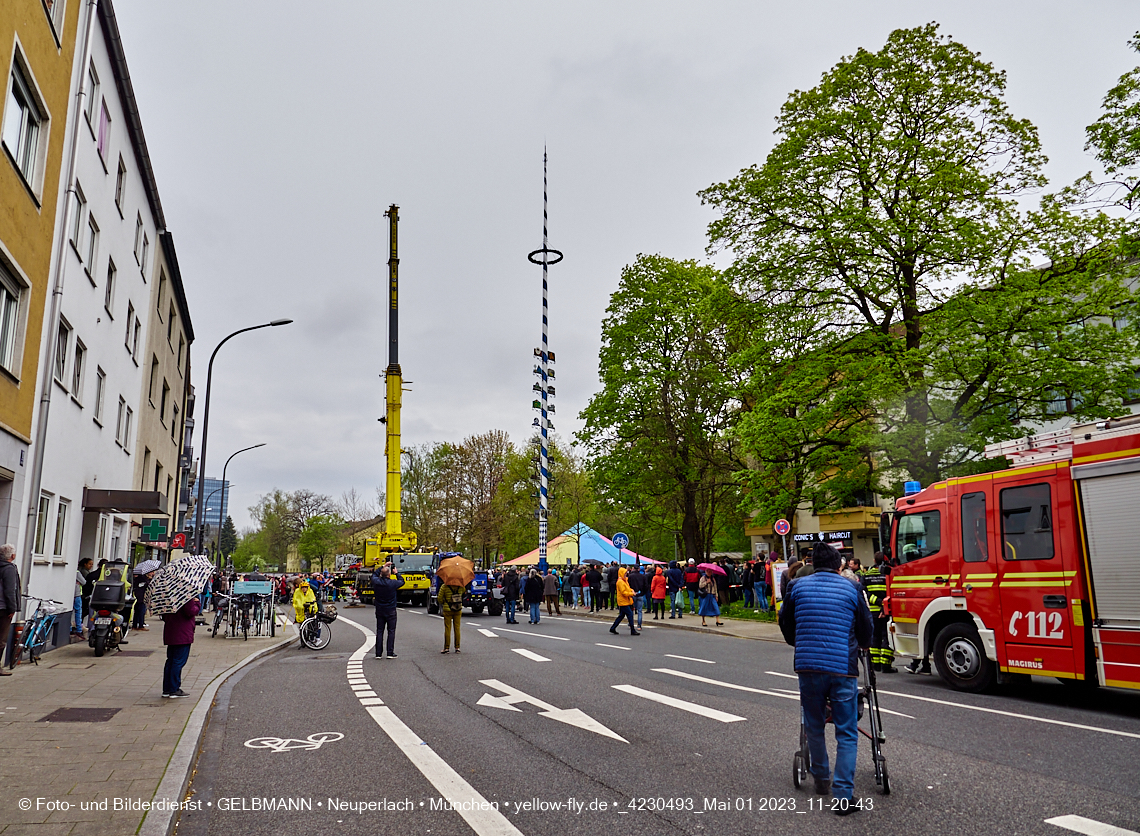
578	544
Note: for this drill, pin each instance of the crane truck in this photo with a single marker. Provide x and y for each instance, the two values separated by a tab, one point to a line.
394	544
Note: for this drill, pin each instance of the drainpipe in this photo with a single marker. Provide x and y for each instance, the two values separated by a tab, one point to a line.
56	302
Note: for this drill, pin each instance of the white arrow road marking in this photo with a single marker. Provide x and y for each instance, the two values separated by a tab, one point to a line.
684	705
483	819
1090	827
570	716
530	654
689	659
488	633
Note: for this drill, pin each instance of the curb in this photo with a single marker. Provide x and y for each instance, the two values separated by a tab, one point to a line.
176	778
694	628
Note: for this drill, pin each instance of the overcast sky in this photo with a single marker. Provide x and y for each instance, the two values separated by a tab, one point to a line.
281	131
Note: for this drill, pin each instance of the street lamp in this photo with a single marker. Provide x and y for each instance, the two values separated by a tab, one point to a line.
206	425
229	561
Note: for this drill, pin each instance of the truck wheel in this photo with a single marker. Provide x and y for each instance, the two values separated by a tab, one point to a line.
476	609
424	599
495	609
961	659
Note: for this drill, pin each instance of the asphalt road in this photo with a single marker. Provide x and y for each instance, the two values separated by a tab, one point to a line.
659	742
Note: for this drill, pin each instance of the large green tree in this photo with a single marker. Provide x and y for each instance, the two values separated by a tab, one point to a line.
227	538
1115	136
319	540
656	432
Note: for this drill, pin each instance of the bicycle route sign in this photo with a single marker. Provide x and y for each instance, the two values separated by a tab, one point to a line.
621	540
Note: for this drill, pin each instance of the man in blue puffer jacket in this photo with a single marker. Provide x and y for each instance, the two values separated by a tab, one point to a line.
826	618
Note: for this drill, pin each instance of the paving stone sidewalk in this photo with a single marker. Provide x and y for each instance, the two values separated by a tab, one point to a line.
123	757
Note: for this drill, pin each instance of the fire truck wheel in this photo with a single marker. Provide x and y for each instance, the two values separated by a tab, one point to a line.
961	659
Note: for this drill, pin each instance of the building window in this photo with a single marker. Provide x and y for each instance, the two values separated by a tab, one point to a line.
157	476
92	96
127	430
55	11
174	424
61	527
165	398
130	316
42	523
104	140
138	237
170	326
142	257
119	421
62	343
77	370
10	293
153	379
161	292
23	122
100	393
109	290
92	244
135	339
145	469
77	218
101	541
120	185
181	347
169	487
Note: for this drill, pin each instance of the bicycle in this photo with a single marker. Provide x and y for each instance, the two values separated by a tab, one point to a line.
315	630
37	630
264	615
220	613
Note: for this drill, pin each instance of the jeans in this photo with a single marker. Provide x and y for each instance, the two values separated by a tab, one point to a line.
816	690
694	597
624	611
676	605
535	612
176	656
577	590
140	613
77	615
748	597
585	596
638	608
510	605
762	596
385	618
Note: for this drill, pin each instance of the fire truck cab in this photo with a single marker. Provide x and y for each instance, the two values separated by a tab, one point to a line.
1034	570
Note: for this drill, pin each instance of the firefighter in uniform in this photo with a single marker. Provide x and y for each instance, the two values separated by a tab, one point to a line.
875	585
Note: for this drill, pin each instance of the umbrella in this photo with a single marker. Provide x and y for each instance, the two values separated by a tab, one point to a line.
594	562
177	583
147	566
456	571
716	570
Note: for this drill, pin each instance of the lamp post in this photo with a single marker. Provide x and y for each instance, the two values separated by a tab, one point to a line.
206	425
225	496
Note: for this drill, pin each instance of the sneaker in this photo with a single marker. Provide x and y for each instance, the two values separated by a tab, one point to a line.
634	633
457	650
822	786
445	650
917	667
612	630
177	695
391	655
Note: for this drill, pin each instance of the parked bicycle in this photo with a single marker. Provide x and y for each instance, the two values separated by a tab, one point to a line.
264	616
38	629
223	602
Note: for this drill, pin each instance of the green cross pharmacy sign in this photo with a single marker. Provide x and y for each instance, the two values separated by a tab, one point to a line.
153	530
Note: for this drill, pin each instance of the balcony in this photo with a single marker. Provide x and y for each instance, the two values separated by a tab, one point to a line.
861	518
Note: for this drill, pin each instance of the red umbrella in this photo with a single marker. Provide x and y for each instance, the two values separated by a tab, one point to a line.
716	570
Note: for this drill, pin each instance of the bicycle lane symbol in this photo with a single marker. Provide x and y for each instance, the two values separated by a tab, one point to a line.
282	744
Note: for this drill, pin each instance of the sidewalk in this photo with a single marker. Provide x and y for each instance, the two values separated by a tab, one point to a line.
124	756
736	627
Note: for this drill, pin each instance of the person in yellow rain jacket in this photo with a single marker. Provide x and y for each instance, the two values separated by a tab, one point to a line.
625	604
303	598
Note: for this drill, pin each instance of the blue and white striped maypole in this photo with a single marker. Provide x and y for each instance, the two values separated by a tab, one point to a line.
545	358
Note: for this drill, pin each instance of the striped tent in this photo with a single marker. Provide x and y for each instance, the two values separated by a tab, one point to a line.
578	544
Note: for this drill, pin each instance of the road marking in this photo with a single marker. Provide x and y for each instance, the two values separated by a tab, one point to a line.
370	700
1090	827
364	687
785	675
488	633
365	694
732	685
690	659
528	633
614	646
684	705
882	710
282	744
483	819
570	716
530	654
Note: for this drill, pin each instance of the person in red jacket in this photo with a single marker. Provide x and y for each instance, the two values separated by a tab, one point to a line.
178	635
657	593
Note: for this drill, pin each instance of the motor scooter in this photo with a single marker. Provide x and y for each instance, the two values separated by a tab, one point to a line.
111	605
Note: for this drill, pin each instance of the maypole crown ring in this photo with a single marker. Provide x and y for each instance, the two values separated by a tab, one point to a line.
531	256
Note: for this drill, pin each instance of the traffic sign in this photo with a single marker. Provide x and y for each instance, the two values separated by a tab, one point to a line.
621	540
782	527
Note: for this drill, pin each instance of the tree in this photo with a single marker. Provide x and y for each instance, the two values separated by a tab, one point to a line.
227	539
251	552
1115	137
320	538
273	513
883	240
656	432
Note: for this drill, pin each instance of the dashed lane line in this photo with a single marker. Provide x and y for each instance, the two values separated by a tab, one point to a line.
529	654
614	646
528	633
488	633
1090	827
689	658
684	705
466	800
731	685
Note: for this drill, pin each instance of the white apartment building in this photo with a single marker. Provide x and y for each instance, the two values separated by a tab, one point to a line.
110	218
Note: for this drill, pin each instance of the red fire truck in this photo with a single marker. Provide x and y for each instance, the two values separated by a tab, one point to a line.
1034	570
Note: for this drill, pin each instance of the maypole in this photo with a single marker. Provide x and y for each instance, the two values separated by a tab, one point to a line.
545	390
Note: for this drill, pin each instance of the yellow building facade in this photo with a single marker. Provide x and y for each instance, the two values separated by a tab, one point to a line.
37	44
